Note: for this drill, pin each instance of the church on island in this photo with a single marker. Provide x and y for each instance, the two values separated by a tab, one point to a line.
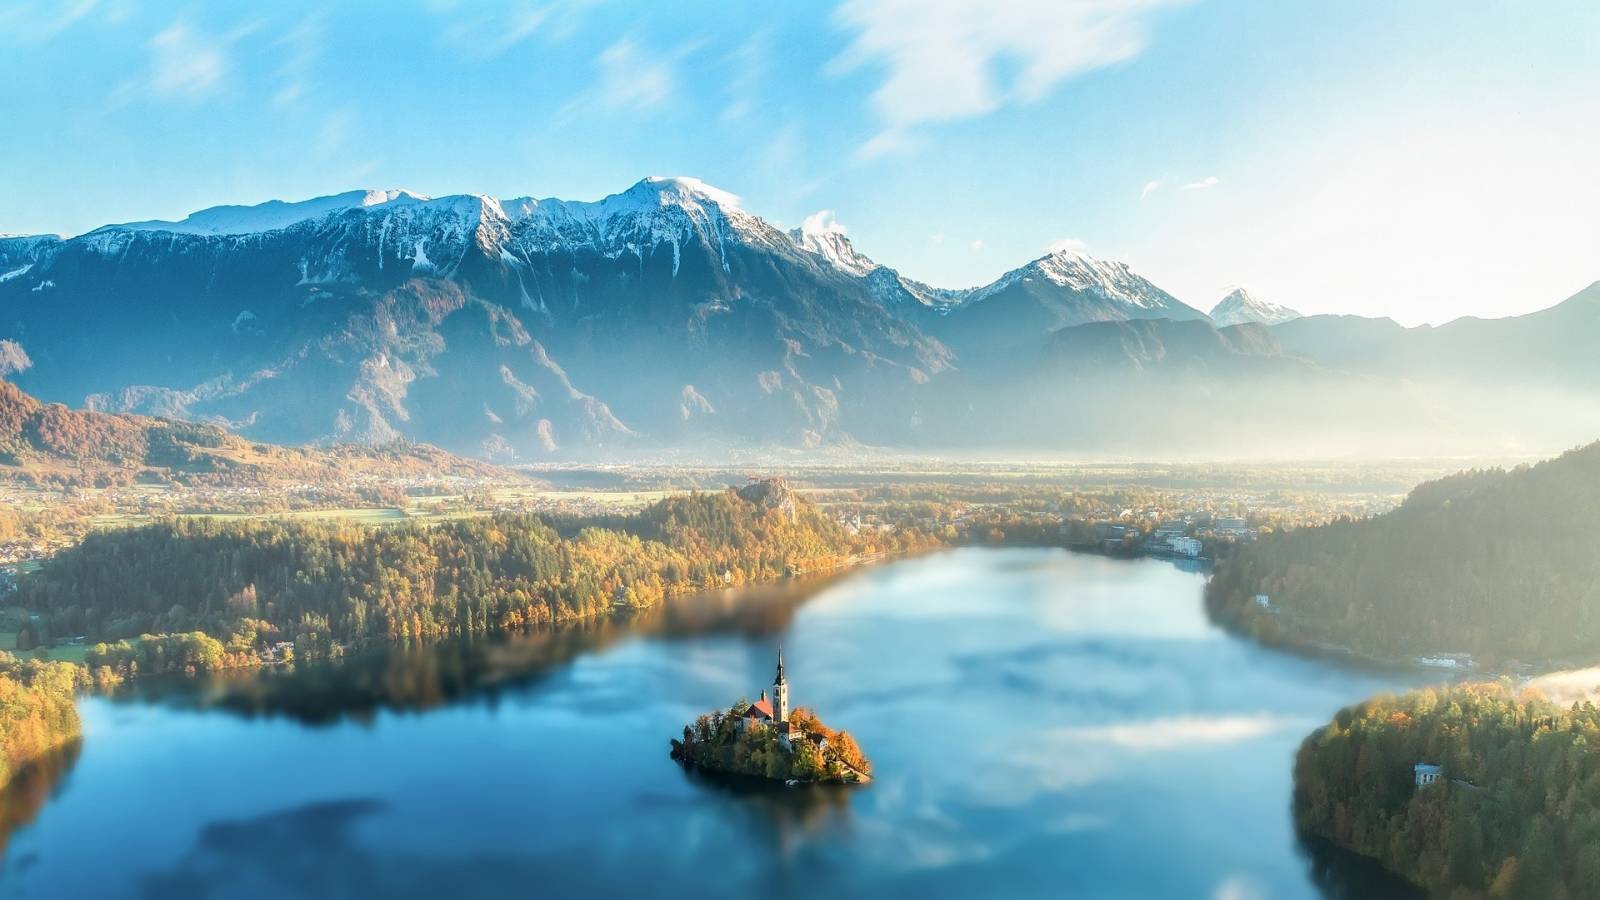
774	713
769	739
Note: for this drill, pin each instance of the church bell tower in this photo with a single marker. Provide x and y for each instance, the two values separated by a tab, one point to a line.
780	692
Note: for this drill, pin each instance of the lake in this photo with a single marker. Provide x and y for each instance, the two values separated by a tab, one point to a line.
1040	723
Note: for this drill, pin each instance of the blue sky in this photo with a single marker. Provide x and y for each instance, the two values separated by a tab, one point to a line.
1421	160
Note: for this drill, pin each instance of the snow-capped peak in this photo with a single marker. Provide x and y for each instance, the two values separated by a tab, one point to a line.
273	214
824	236
1068	266
1073	268
680	187
1241	306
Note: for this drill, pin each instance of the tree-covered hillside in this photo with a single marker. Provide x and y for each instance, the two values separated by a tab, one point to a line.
1500	564
248	583
1516	813
48	442
37	715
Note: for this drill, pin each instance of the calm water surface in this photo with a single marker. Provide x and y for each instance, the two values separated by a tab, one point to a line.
1041	724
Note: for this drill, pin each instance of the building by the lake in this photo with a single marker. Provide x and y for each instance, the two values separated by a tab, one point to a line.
1427	774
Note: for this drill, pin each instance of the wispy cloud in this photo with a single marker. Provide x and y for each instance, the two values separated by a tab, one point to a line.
334	134
632	77
1204	184
944	60
301	47
977	245
489	34
885	143
28	21
186	63
1150	187
785	163
747	64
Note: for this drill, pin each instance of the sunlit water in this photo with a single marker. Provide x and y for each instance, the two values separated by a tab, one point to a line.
1040	723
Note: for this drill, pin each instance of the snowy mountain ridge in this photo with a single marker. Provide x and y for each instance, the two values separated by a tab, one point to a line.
433	233
1240	307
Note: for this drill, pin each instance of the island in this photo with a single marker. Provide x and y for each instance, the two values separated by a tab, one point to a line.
765	739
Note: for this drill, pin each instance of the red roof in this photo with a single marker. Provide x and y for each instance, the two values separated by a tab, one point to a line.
761	709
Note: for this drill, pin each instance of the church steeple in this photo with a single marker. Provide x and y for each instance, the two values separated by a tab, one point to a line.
780	692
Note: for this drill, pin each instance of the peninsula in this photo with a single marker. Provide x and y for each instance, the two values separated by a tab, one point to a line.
766	739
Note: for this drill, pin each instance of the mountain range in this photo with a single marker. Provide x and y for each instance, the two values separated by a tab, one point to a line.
668	317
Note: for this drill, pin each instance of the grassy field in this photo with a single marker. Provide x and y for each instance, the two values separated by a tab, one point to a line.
58	653
421	509
11	620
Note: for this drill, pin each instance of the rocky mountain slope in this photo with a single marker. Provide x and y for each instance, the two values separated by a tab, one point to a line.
666	316
49	442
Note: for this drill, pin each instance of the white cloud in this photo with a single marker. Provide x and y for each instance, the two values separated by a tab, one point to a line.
944	60
13	359
1068	245
822	222
936	238
1150	187
1204	184
977	245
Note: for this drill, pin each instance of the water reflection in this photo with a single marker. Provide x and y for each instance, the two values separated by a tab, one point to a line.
28	791
1040	723
421	676
787	818
1342	875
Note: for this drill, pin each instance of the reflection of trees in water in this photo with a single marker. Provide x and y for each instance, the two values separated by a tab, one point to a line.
788	815
1342	875
28	790
420	676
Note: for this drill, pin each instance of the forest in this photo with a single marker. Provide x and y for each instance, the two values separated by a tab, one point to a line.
1516	813
37	715
1499	564
254	584
716	741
